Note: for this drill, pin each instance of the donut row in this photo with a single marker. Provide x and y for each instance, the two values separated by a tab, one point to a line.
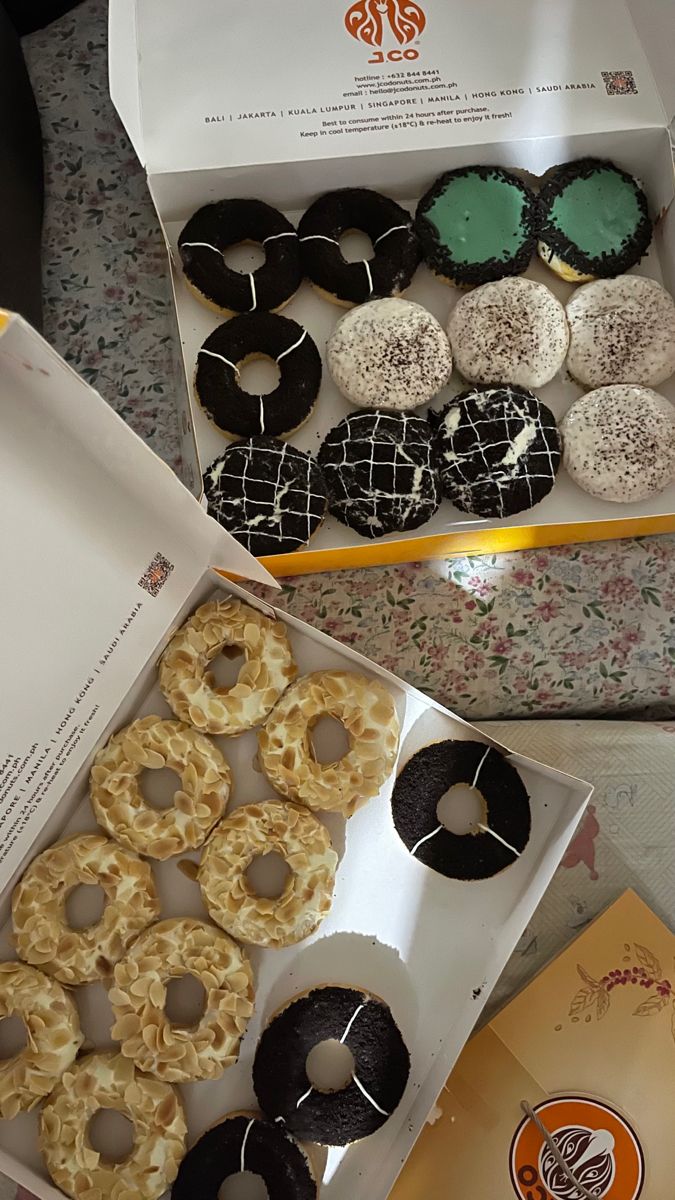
474	224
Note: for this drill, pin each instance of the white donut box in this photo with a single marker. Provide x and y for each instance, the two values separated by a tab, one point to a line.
87	509
277	101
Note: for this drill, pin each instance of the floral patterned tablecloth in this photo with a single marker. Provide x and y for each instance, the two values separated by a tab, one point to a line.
566	632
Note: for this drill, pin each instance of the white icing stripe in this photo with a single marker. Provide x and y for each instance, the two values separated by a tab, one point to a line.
282	1119
480	766
273	236
295	345
242	1162
388	231
486	829
206	245
426	838
351	1022
304	1096
253	295
262	413
370	1100
212	354
370	278
319	237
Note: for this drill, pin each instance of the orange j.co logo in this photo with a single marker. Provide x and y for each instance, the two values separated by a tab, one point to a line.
370	21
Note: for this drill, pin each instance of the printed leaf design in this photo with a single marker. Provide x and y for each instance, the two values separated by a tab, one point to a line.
584	998
592	983
603	1004
653	1005
649	961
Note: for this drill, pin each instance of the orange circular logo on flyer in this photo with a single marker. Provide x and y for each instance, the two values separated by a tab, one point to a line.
596	1144
369	20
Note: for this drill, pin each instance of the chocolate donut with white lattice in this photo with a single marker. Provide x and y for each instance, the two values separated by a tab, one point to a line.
380	472
269	495
396	251
498	450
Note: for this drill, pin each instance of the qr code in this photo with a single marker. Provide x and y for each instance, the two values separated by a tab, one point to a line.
620	83
153	579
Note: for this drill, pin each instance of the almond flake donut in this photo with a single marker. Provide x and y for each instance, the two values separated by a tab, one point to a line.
111	1081
366	710
118	802
190	688
254	830
171	949
41	932
53	1036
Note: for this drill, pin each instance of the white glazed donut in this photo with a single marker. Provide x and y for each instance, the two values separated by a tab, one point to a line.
619	442
112	1081
510	331
389	354
53	1036
622	330
190	688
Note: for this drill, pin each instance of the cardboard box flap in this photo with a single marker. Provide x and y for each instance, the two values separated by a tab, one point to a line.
316	79
101	547
655	23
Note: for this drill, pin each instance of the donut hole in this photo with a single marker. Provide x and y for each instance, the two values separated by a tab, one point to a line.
159	786
258	374
225	668
244	257
328	739
13	1036
84	905
330	1066
461	809
111	1134
268	874
185	1002
355	245
243	1185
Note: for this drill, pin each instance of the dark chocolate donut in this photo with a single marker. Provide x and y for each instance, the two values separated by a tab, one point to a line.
245	1142
253	335
476	224
396	251
365	1025
268	495
498	450
506	819
227	223
380	472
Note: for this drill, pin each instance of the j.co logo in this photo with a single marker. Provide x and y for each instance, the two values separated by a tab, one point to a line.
376	21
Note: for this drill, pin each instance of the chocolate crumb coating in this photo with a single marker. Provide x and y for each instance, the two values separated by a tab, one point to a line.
245	1142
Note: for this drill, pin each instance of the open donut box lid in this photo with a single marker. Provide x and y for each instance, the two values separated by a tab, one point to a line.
105	554
281	102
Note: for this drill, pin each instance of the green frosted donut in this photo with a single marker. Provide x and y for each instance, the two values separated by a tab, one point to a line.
477	224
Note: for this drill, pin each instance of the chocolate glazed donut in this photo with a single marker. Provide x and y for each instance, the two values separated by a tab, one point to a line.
363	1023
213	229
503	831
396	249
245	1142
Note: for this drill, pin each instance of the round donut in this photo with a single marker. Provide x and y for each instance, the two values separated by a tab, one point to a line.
512	329
380	472
360	1021
150	744
53	1037
270	496
215	227
366	710
274	826
498	450
621	331
42	935
240	414
396	251
189	687
111	1081
503	831
594	220
245	1141
389	353
620	443
476	224
173	948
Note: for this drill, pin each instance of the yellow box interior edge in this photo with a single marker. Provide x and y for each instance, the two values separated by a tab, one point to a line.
453	545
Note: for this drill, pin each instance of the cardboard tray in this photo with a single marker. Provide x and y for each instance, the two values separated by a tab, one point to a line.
343	117
91	509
